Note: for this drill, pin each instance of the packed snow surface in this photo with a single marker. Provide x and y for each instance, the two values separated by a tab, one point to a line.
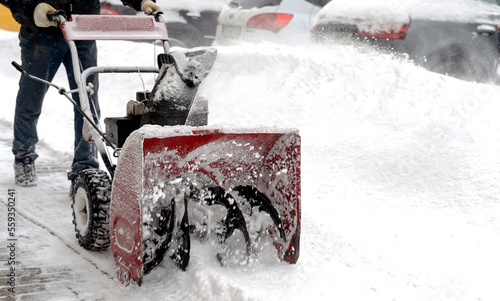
400	180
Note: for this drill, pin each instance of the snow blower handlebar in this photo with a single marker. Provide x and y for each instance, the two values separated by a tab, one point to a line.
58	16
86	116
62	91
99	27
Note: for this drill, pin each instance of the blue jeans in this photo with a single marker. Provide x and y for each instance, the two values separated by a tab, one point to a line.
41	56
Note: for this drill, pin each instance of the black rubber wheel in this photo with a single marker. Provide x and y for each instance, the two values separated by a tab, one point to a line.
91	201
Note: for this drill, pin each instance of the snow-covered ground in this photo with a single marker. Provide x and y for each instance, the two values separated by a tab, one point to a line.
400	181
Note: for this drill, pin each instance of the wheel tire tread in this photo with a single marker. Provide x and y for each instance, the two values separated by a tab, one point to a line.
98	187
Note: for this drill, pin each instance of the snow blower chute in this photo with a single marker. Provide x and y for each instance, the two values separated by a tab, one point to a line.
175	177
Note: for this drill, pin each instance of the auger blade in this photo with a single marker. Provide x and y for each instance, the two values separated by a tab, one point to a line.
159	167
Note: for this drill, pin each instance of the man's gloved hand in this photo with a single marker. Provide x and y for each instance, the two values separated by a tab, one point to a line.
148	7
40	15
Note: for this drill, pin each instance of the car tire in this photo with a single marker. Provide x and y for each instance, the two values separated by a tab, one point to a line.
91	203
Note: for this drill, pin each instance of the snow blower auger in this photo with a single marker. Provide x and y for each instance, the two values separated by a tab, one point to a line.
175	177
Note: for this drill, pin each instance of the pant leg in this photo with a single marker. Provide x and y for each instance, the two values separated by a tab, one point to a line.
41	58
86	154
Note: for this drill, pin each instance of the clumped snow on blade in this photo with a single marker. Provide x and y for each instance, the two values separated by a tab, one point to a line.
182	170
195	64
172	89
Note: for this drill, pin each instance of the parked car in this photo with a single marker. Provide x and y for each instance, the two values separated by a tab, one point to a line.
190	23
455	37
254	20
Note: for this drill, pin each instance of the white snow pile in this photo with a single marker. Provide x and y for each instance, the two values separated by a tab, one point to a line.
400	180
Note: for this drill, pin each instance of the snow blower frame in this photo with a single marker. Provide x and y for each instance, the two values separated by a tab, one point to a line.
173	170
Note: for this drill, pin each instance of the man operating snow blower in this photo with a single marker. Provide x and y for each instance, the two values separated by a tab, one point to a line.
43	50
175	175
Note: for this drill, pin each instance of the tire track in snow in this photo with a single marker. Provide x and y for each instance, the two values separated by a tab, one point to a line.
71	245
51	167
44	268
45	208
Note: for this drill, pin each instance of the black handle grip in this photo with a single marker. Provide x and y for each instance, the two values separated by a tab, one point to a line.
55	15
158	16
18	67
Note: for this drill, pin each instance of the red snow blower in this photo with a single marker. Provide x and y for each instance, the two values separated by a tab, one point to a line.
175	177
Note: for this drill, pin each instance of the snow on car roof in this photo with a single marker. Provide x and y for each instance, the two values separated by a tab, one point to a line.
356	11
382	11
